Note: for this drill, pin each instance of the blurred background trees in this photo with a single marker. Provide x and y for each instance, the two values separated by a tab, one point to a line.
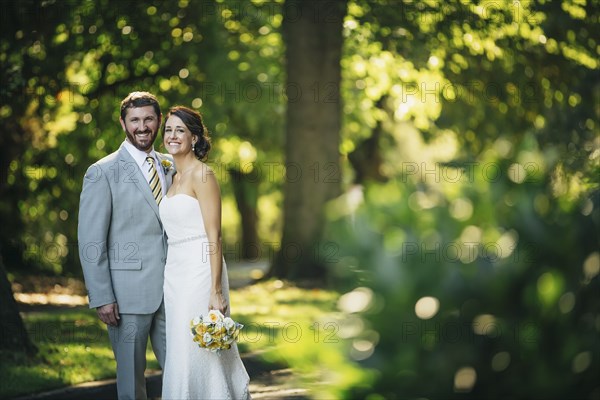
313	39
66	73
477	257
466	233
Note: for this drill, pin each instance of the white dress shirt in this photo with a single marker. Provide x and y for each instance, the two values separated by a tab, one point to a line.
140	159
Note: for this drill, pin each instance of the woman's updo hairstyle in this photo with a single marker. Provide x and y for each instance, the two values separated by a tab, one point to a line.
193	121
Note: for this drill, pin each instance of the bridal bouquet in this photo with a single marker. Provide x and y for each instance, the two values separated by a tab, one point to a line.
214	331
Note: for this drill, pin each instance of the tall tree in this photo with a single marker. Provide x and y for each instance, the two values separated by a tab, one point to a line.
313	36
23	72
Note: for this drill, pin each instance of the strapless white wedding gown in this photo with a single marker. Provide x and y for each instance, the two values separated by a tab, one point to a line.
191	372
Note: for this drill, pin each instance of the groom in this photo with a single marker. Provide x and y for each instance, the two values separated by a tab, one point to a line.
122	245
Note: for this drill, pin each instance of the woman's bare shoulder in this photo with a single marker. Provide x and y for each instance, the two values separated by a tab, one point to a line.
202	173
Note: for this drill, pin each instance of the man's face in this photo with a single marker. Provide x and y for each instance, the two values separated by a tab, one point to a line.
141	126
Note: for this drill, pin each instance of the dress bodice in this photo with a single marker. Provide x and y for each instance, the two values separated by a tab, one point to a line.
182	218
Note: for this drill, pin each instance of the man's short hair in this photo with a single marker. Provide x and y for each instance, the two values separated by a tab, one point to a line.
139	99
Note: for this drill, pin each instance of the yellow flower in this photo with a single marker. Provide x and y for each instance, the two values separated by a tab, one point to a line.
214	332
166	164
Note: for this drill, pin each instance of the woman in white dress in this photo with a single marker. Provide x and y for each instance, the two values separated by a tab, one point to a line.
195	272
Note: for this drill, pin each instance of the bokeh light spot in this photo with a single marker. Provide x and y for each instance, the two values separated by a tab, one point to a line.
356	301
591	265
581	362
566	302
465	379
427	307
500	361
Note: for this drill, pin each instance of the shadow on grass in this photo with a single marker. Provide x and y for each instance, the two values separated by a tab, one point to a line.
75	359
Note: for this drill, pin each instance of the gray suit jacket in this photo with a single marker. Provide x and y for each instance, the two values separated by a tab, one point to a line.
122	243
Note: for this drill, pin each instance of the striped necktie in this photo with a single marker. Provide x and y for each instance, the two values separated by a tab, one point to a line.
154	180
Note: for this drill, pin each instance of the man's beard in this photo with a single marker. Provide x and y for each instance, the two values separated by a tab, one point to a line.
134	140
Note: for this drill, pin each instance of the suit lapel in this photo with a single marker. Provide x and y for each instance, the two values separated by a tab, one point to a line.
130	173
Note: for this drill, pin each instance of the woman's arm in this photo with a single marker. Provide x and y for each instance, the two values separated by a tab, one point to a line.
206	190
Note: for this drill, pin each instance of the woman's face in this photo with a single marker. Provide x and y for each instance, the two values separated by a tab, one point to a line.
178	138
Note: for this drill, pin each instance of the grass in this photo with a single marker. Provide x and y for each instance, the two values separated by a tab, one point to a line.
283	325
300	328
73	348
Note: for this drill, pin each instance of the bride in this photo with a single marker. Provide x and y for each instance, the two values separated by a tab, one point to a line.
195	273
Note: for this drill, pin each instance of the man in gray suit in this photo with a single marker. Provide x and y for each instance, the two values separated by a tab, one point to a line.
122	244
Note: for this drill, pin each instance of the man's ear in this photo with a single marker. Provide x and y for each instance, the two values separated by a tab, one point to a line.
122	124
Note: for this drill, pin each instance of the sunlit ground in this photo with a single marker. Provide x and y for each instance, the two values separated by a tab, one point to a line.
69	300
70	292
34	290
302	328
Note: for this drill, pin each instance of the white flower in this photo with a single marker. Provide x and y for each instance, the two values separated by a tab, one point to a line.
196	320
207	338
229	324
215	316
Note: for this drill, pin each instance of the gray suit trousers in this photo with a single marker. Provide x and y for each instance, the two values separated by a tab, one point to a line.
129	340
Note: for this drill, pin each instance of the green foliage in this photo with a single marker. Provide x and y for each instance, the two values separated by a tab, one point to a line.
67	65
473	270
481	71
498	301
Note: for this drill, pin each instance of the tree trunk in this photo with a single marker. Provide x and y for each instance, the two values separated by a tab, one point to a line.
313	36
245	189
13	335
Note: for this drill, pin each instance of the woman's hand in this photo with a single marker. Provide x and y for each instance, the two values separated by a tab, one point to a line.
217	302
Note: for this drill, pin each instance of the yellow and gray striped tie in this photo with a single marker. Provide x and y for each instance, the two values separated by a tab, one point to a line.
154	180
